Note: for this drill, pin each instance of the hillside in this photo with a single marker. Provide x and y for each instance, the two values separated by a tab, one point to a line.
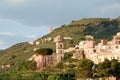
100	28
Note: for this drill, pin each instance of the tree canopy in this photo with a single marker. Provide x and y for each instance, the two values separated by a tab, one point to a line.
108	68
44	51
85	68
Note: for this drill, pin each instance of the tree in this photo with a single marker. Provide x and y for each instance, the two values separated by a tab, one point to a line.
44	51
27	65
67	56
71	66
60	65
30	65
54	77
5	77
108	68
84	68
104	68
115	68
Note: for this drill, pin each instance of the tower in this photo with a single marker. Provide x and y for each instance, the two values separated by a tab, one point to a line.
59	44
51	29
59	47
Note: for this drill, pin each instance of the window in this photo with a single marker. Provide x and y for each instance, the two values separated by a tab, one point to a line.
94	50
60	51
61	46
116	47
51	58
119	42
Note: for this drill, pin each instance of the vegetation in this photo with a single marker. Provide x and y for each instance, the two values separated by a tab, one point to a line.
108	68
60	65
67	56
100	28
84	68
28	65
44	51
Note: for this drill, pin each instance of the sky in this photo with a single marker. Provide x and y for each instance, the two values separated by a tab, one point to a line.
27	20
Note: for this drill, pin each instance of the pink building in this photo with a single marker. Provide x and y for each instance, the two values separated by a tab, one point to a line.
89	44
38	59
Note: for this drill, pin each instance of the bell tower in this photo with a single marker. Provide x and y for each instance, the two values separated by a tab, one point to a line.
59	44
51	29
59	47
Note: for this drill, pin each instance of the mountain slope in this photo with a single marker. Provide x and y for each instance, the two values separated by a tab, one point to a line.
100	28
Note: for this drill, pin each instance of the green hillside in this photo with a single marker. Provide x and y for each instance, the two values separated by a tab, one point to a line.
100	28
1	52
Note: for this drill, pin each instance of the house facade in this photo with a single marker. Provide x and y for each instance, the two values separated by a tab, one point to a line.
103	50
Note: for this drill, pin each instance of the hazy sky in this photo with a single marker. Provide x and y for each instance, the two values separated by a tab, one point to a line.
27	20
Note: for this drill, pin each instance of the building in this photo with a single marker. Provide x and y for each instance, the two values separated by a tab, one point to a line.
59	44
107	50
59	47
50	60
87	48
79	54
103	50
